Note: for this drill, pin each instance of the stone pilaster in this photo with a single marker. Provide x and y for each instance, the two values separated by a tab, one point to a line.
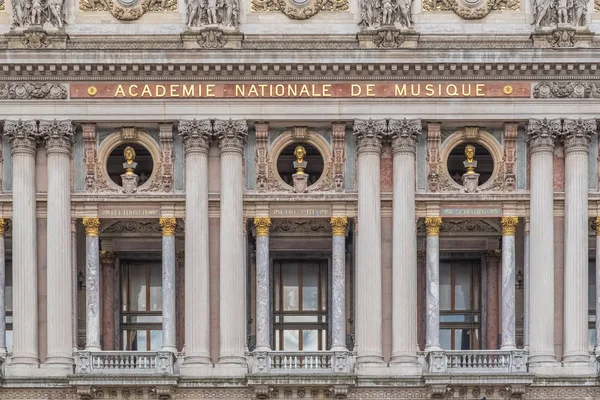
2	292
432	301
263	285
169	336
92	285
368	135
23	137
509	226
74	294
597	350
107	260
526	288
404	135
59	140
542	134
338	283
180	302
196	137
492	261
232	137
576	135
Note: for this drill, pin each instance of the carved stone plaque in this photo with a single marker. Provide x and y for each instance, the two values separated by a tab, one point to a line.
126	212
300	212
472	212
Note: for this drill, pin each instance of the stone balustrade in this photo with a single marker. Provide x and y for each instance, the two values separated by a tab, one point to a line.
285	362
477	362
125	363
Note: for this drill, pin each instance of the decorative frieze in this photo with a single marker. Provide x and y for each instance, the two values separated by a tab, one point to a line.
471	10
34	90
36	40
262	149
549	14
129	12
394	14
510	156
338	133
300	11
567	90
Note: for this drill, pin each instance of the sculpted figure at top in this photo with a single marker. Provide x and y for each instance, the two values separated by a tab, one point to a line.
217	13
386	13
559	13
28	13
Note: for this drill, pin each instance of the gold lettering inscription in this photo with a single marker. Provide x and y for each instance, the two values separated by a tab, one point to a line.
355	90
120	92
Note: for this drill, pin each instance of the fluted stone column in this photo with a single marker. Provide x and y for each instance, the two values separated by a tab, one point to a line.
492	261
338	283
542	134
23	137
169	335
2	292
597	350
92	284
526	288
576	134
263	285
59	139
196	137
74	294
509	226
368	135
107	260
404	135
232	137
432	301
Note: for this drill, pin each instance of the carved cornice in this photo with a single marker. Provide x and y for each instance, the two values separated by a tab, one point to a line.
58	136
196	135
404	134
542	134
231	134
23	136
368	134
34	90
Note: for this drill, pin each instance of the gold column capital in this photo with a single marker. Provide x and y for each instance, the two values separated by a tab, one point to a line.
338	226
92	226
2	227
433	225
168	226
509	225
262	225
597	220
107	257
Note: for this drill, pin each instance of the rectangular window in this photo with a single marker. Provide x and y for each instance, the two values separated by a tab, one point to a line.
460	311
141	311
300	305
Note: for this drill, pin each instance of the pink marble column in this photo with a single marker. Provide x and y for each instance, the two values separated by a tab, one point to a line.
491	330
180	301
421	299
107	261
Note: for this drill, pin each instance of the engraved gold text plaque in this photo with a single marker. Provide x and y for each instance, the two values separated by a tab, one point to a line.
129	212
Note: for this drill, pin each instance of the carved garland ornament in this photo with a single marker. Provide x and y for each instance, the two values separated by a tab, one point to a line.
471	9
299	9
29	91
300	134
126	10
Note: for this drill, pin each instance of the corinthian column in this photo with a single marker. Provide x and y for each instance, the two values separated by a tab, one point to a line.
576	134
232	136
432	301
169	337
59	139
23	138
404	135
196	137
92	284
2	293
509	226
263	285
368	135
338	284
542	134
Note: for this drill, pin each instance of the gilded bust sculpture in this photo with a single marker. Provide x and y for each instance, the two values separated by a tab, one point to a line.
470	164
129	164
300	164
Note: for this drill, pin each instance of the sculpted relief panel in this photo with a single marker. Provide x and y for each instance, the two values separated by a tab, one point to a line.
559	13
213	13
376	14
298	9
127	10
27	13
471	9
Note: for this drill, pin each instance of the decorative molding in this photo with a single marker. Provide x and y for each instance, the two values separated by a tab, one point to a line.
567	90
433	157
212	39
562	38
454	225
389	39
300	11
131	226
262	156
33	90
338	134
510	156
471	10
127	13
290	226
36	40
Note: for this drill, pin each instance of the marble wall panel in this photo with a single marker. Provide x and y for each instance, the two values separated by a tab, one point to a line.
558	169
250	159
178	163
521	161
350	165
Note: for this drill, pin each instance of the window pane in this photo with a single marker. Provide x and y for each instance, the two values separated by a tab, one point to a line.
300	318
140	343
310	340
9	341
276	286
147	318
155	287
462	287
445	287
137	276
592	337
310	293
290	288
290	340
155	340
462	339
445	339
